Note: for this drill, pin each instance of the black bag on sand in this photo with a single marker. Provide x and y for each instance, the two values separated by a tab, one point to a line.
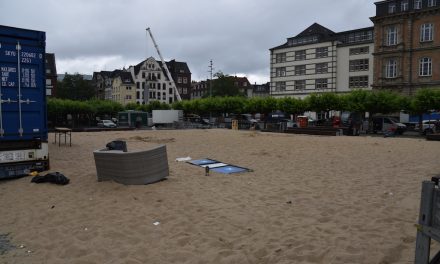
54	177
117	145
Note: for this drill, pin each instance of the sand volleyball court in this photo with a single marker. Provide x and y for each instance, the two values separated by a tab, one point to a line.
309	199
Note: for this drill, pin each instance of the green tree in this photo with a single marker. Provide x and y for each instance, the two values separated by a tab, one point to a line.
324	102
223	85
74	87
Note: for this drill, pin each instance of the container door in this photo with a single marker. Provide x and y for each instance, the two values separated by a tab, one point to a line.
23	98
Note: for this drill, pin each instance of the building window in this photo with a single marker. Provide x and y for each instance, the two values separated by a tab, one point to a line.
300	70
431	3
281	72
321	52
280	86
48	82
137	85
391	8
170	90
391	69
360	50
300	55
417	4
321	83
179	80
280	57
391	38
321	68
426	32
143	75
359	65
425	67
48	71
404	5
138	95
185	90
300	85
358	82
185	80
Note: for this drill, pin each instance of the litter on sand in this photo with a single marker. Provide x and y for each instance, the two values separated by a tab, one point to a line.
183	159
217	166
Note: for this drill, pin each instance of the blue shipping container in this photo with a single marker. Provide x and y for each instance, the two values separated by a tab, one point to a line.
23	115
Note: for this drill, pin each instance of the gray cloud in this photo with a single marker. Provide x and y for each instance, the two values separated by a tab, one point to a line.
90	35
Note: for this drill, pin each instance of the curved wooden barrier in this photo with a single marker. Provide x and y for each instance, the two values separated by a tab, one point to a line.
132	168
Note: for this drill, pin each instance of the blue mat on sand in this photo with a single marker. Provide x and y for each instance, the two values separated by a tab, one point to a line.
218	166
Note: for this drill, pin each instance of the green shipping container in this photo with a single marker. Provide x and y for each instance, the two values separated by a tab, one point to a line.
133	118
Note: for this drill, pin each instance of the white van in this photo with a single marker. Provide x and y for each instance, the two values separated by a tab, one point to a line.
386	124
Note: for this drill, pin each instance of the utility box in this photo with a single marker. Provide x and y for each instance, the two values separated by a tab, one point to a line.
163	117
132	118
23	114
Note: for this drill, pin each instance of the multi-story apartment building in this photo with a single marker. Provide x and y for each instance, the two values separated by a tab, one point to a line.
260	90
182	77
319	60
152	83
123	88
407	45
199	89
51	75
102	82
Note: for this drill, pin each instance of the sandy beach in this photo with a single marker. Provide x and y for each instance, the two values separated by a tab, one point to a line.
309	199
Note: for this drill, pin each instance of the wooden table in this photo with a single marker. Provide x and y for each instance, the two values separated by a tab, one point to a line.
63	131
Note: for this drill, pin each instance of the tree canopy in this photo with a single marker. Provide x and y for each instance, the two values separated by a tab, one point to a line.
74	87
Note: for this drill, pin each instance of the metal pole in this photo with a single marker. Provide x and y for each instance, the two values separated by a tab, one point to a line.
210	80
20	130
423	241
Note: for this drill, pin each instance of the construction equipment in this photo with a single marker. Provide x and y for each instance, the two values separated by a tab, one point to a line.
164	65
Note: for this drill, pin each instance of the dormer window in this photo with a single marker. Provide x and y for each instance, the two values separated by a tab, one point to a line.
392	8
431	3
417	4
404	5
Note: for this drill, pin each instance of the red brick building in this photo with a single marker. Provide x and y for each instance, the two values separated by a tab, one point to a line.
407	45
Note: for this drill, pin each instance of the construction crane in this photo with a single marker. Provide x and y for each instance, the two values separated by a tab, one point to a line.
164	65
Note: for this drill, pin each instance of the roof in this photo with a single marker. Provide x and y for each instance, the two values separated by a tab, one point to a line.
317	33
125	76
177	66
315	29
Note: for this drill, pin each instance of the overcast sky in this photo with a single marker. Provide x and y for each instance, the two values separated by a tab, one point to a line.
95	35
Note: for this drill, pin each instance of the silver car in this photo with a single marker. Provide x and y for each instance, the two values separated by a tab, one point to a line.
106	123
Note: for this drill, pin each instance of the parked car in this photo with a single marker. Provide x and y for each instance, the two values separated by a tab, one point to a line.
106	123
428	127
386	124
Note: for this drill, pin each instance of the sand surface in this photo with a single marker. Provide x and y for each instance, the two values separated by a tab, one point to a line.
309	199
